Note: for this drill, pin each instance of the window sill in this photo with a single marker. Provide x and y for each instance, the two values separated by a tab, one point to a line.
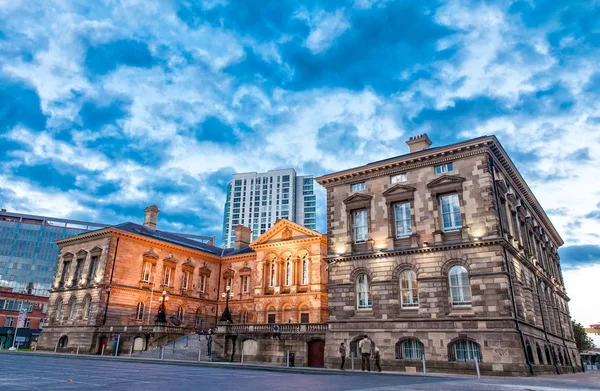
410	308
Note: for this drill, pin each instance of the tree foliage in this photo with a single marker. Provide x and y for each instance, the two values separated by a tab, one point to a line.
583	341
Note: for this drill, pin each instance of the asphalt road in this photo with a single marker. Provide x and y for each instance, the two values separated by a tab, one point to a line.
29	372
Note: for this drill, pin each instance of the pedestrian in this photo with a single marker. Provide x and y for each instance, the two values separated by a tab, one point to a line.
365	350
377	357
343	355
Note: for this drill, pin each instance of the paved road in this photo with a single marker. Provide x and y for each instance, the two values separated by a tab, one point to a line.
29	372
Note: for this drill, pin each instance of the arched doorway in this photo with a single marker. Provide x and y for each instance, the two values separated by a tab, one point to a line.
316	353
63	341
102	341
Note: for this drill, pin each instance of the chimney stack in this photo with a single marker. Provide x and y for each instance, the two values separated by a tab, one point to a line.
150	216
243	235
418	143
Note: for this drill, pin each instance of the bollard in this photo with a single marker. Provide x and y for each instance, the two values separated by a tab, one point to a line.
131	350
477	367
287	358
162	352
56	347
18	344
174	342
424	367
199	353
77	354
102	353
35	348
352	359
242	355
187	339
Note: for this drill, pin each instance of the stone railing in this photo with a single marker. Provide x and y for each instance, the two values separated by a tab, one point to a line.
145	328
282	328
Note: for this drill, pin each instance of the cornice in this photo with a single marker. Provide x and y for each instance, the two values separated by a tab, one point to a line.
291	242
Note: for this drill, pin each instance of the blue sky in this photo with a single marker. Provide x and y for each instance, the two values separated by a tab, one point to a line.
106	108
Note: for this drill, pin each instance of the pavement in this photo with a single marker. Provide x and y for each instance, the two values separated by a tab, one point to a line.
29	371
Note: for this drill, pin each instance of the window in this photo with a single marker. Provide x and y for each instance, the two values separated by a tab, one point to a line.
27	323
402	219
10	320
460	289
304	318
228	282
59	305
93	268
139	313
73	310
398	178
360	226
539	353
465	350
450	212
529	352
198	319
167	276
409	289
244	284
443	168
147	272
288	272
184	280
78	270
65	271
202	283
273	275
358	187
409	349
87	308
271	318
305	269
180	314
362	292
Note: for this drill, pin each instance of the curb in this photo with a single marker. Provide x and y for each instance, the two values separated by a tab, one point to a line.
229	365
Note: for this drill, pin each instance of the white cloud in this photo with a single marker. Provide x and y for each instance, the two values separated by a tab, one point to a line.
324	28
580	284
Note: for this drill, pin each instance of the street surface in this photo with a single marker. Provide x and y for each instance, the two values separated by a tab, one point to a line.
29	372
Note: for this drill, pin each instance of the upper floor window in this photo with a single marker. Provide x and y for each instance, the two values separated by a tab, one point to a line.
93	268
398	178
73	310
87	307
358	186
65	271
167	276
180	314
361	231
59	307
409	288
147	272
202	283
402	219
244	284
9	321
78	270
465	350
443	168
305	270
139	313
460	288
184	280
273	280
450	212
228	282
288	272
363	298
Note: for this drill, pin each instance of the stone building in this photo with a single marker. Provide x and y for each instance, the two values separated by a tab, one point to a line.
446	253
110	283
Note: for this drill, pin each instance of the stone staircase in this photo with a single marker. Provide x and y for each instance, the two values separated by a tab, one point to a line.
184	348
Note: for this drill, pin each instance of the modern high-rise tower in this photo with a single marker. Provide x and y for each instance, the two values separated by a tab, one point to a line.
258	200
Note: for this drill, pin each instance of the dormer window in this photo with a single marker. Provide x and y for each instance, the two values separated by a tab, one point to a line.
357	187
444	168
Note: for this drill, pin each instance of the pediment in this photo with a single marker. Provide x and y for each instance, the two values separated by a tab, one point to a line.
284	230
245	270
170	258
188	263
229	273
81	253
205	270
446	180
398	189
96	250
358	197
150	254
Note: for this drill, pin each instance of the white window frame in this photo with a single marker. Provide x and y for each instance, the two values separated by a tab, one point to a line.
147	272
288	272
459	284
202	283
363	300
398	178
87	307
452	210
185	277
444	168
469	350
411	349
27	323
140	311
357	187
273	275
73	310
167	276
409	292
305	270
361	232
402	218
181	313
244	284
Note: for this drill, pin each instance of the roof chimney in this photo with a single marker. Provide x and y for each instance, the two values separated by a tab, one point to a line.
242	237
150	216
418	143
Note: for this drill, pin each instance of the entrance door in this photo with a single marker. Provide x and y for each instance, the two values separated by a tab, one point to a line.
316	353
102	343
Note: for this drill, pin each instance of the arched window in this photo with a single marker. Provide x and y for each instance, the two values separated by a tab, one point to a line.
180	314
273	274
548	356
59	307
288	272
460	289
363	298
198	319
73	309
560	358
529	352
305	269
464	350
566	356
63	341
409	349
139	313
87	307
409	289
539	353
244	317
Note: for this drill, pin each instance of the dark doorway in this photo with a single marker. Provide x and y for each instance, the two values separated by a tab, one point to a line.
316	353
63	341
102	341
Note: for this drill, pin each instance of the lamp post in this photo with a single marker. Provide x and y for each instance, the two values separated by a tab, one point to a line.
162	316
226	316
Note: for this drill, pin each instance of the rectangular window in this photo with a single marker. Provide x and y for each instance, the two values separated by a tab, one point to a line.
147	272
443	168
398	178
402	219
167	276
65	271
245	284
9	321
304	318
93	268
202	283
361	231
27	323
358	187
184	280
228	283
271	318
450	212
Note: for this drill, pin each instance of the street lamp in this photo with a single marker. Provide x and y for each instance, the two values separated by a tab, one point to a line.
226	316
162	316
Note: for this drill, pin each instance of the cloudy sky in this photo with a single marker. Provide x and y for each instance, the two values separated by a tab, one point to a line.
105	109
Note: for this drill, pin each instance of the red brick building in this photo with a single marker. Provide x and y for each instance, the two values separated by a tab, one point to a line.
10	305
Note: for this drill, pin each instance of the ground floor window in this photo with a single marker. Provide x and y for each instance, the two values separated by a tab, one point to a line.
409	349
465	350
